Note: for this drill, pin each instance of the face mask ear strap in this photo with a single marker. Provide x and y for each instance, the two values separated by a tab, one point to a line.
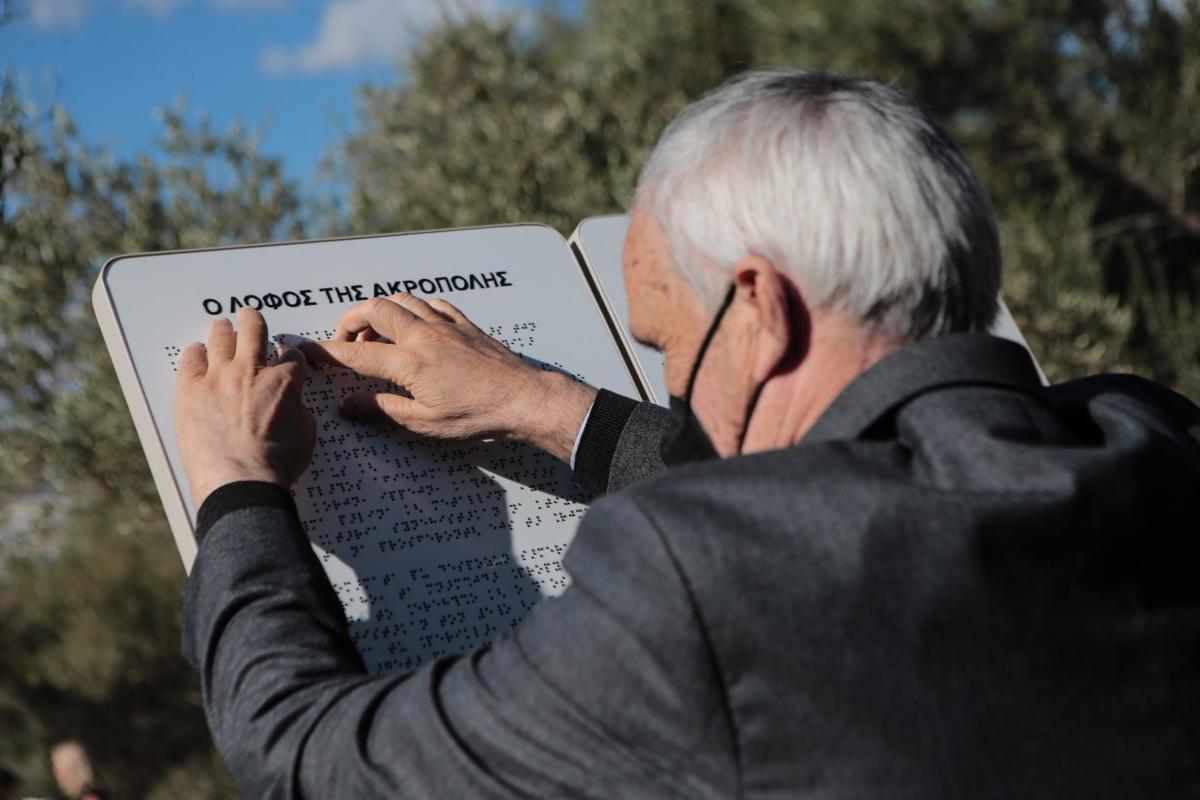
749	413
712	330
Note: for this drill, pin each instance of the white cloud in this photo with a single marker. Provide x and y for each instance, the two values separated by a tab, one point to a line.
72	13
250	5
58	13
159	8
356	32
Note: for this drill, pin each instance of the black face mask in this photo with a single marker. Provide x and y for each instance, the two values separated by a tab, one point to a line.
684	439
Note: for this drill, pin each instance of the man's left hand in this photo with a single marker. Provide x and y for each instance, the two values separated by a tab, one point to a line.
237	419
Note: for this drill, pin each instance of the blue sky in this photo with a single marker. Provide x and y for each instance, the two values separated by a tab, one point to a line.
294	63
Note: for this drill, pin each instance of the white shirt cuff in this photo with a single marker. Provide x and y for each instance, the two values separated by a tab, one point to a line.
579	435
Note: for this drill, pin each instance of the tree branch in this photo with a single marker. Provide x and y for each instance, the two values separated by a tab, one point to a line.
1141	184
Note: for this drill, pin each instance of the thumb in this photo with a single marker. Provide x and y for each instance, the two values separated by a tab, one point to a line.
291	355
292	364
381	408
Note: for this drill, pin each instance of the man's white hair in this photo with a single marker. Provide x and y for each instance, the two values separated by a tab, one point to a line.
845	184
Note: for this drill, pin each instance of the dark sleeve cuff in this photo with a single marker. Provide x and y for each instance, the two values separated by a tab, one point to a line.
593	460
237	496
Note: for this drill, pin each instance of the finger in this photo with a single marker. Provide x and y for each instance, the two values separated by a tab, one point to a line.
193	362
367	335
251	336
291	376
449	311
221	341
453	313
292	359
379	315
373	359
417	306
381	408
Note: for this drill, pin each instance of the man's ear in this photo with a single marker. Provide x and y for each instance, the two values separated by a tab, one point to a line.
780	314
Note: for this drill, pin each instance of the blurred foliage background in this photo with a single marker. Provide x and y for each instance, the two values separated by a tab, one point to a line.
1082	117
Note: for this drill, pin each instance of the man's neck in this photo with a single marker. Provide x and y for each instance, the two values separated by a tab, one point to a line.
838	352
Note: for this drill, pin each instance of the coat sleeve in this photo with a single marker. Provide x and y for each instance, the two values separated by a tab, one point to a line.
609	690
1160	407
619	445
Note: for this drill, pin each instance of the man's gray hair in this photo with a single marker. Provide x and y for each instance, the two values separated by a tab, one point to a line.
845	184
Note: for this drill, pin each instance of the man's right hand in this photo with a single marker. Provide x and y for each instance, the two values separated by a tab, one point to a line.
464	383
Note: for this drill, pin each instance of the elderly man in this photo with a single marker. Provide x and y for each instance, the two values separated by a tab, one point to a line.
866	553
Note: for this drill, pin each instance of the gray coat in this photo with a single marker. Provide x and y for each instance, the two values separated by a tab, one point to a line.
959	584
